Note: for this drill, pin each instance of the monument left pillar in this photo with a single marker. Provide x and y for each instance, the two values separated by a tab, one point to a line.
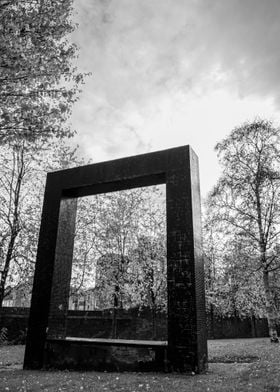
49	304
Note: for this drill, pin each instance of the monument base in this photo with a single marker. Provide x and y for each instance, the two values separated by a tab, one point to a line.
106	355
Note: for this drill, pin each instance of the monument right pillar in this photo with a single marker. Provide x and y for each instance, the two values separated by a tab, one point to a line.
187	338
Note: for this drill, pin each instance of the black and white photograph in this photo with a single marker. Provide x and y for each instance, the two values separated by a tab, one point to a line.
140	195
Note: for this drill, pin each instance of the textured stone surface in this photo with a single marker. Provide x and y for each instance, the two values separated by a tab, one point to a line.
62	269
178	169
86	356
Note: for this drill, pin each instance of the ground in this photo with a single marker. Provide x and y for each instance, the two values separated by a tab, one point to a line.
234	365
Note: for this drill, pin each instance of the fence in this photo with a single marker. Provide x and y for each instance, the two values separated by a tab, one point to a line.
131	324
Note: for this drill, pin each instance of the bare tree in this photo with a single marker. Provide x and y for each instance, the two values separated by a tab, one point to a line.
247	199
24	165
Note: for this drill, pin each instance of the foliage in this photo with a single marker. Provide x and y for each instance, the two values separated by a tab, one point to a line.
233	286
150	272
245	202
22	179
39	82
120	240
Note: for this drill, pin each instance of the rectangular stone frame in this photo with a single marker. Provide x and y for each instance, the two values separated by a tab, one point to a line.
178	169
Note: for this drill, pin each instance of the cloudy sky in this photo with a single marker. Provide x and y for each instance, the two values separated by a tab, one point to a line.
171	72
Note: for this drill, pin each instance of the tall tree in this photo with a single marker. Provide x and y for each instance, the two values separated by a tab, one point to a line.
233	286
24	165
247	199
117	224
150	274
39	82
120	249
128	222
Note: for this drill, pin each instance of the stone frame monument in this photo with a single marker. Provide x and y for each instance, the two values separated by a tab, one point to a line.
186	348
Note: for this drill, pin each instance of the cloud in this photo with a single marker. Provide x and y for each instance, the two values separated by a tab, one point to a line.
138	49
243	40
151	58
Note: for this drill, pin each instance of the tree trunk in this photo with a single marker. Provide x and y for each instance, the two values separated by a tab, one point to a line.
14	224
253	326
115	309
6	268
154	326
14	233
212	320
271	311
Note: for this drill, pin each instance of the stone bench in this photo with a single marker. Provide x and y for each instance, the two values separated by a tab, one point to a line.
110	354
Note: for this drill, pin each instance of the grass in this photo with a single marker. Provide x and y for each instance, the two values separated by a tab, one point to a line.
234	365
